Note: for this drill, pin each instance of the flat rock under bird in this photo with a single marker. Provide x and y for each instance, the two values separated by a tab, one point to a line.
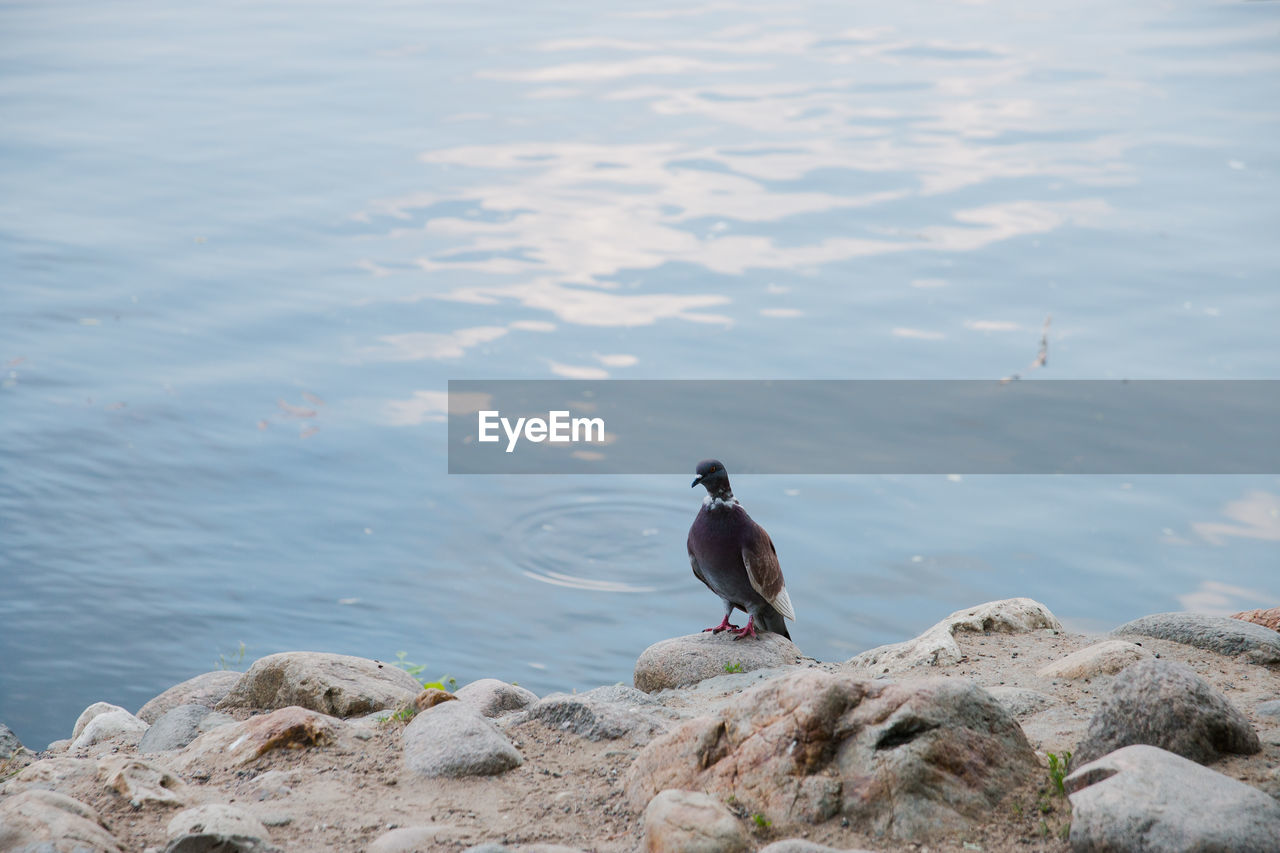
735	558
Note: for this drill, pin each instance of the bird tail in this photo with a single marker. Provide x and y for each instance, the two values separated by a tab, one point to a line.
772	620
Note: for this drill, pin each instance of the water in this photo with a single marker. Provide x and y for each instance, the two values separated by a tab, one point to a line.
244	245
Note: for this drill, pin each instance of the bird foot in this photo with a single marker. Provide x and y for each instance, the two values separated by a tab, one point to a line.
749	631
723	626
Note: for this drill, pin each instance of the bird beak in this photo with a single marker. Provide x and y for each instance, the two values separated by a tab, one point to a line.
695	482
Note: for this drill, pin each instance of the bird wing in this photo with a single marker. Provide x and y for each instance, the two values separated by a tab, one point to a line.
761	560
697	573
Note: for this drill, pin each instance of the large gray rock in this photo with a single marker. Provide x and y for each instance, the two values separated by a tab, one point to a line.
179	726
337	685
207	689
686	660
453	739
48	822
605	713
937	646
1163	703
1221	634
118	726
1105	658
691	822
1143	798
493	698
1270	708
913	760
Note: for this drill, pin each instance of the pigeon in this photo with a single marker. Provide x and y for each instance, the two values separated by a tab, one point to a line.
735	558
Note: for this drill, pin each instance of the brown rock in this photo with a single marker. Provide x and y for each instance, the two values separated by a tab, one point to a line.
338	685
243	743
141	783
208	690
912	760
691	822
431	697
1268	618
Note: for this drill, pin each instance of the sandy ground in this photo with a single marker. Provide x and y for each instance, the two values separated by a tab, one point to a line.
569	790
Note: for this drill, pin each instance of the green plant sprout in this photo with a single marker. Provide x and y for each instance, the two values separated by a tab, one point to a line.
231	661
1059	768
733	667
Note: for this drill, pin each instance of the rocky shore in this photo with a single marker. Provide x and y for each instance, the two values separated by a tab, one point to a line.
994	730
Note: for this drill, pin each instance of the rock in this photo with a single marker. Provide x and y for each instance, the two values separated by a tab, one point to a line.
937	646
493	698
337	685
51	774
212	842
605	713
218	819
272	785
9	743
687	660
1221	634
1163	703
912	760
94	710
118	725
243	743
48	822
1144	798
799	845
179	726
1269	618
431	697
1021	701
409	839
142	783
691	822
1270	708
453	739
208	689
1105	658
58	746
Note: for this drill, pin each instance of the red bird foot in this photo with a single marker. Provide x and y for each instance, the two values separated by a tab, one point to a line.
749	631
723	626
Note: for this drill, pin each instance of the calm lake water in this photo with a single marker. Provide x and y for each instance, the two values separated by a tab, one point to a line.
243	246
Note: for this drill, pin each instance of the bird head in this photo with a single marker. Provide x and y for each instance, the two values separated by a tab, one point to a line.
712	475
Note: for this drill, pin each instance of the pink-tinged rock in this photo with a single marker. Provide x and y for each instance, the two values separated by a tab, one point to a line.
910	760
1268	618
691	822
